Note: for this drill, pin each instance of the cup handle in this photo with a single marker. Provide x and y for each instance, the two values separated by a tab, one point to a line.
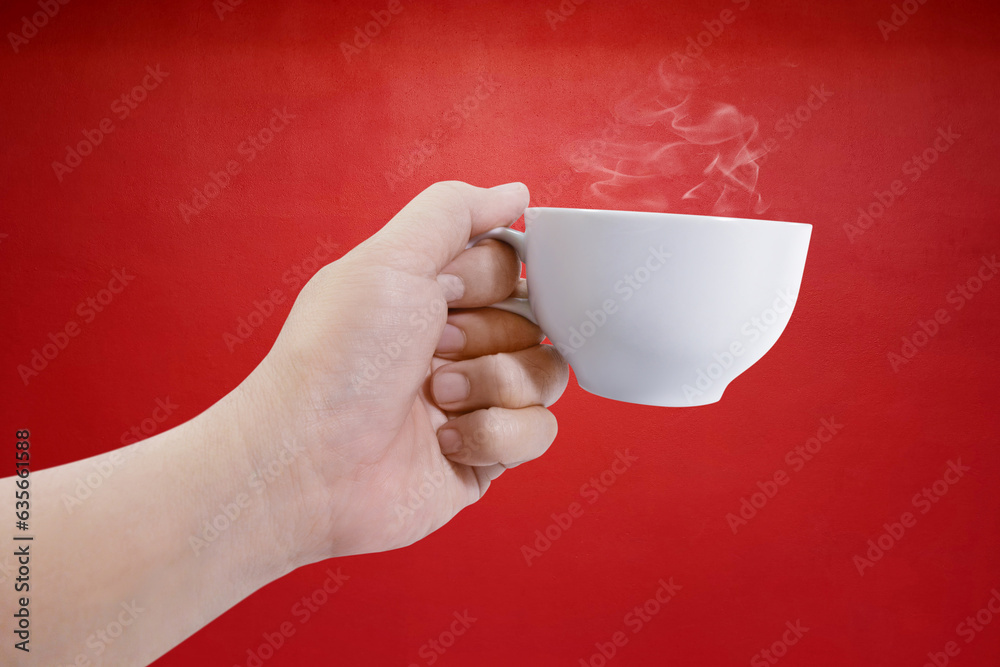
515	240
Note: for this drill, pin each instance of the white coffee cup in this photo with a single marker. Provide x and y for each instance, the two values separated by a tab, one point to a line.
657	308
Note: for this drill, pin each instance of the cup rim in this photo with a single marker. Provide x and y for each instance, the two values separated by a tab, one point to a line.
689	216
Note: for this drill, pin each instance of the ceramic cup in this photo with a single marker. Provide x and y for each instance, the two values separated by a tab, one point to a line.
657	308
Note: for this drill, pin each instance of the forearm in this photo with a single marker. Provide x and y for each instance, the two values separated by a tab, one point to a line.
170	539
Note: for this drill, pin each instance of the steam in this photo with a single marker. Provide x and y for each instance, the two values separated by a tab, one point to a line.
672	149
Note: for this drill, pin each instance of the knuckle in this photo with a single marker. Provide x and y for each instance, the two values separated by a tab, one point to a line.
520	288
496	268
448	194
440	187
561	366
552	427
504	263
516	329
555	371
480	433
512	387
498	425
469	449
542	433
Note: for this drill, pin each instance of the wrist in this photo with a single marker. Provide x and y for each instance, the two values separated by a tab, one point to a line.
239	518
264	428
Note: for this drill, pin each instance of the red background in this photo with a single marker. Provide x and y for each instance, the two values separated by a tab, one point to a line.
665	516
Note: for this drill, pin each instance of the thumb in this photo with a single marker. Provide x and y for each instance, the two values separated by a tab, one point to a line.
437	224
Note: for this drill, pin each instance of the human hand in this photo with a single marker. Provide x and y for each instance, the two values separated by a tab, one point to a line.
387	398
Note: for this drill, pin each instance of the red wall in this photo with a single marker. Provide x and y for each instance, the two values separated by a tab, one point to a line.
665	516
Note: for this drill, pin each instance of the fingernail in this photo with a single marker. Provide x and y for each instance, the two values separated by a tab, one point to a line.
450	388
450	440
506	187
453	286
452	340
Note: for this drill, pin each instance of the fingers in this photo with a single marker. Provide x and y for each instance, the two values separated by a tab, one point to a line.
498	436
486	474
521	289
486	273
437	224
534	376
483	331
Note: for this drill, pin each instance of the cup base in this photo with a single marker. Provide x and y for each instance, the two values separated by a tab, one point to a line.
650	398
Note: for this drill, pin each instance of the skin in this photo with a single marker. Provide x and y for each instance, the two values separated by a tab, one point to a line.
317	450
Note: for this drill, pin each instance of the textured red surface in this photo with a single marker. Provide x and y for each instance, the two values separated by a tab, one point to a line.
665	516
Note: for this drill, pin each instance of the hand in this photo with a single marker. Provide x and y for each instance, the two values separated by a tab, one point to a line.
376	417
391	384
